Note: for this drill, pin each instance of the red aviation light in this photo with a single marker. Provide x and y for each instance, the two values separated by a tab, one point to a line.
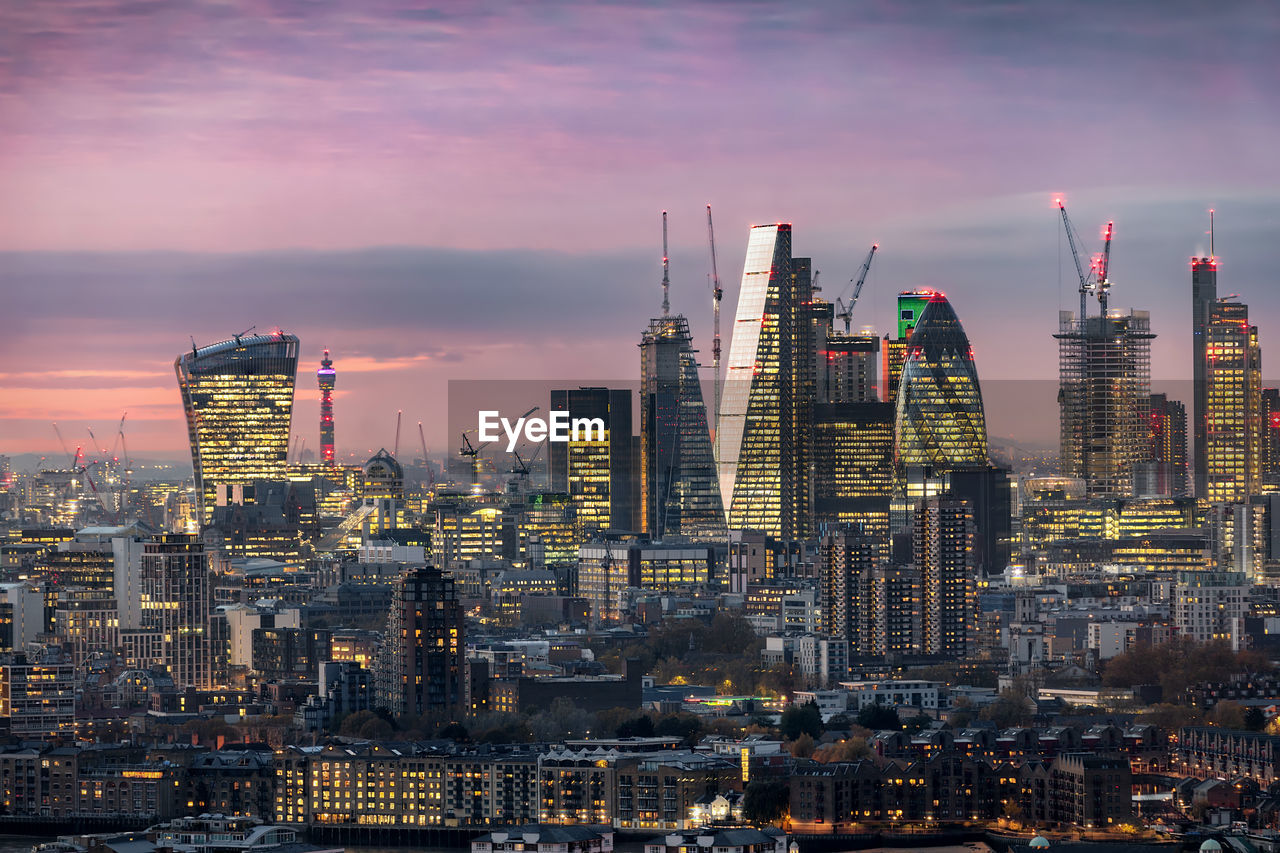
1275	420
937	296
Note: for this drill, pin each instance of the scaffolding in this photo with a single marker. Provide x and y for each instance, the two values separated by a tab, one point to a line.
1104	370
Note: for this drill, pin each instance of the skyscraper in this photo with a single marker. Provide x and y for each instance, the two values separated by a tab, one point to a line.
420	666
940	419
1233	405
680	487
849	559
1204	292
326	376
1104	395
238	399
1271	431
854	475
596	474
769	384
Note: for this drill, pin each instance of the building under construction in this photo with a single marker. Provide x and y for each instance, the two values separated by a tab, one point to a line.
1104	370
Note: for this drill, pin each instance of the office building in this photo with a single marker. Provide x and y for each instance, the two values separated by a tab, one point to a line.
940	418
1204	293
1104	396
943	555
911	304
596	471
1164	473
768	391
419	669
848	368
607	571
1233	405
678	479
327	378
238	398
853	472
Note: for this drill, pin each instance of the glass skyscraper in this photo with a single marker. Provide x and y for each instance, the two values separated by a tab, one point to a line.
238	398
940	420
681	492
765	410
1233	405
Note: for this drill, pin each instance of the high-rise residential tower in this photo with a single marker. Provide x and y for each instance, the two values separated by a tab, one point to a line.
764	419
1233	405
596	471
681	491
419	669
175	604
326	376
1104	397
943	554
238	398
940	418
1204	292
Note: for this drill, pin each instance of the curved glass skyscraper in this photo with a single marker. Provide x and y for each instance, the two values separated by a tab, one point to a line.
940	420
238	397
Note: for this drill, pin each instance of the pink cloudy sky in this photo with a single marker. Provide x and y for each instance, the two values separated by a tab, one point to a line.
471	190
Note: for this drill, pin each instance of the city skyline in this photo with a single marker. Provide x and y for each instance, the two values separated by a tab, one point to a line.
203	191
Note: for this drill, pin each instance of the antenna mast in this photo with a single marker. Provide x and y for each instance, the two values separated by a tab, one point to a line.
716	293
666	279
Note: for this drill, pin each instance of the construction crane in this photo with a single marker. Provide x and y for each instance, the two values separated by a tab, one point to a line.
1073	240
1102	266
521	469
395	448
473	451
845	312
716	294
666	278
124	452
426	460
63	442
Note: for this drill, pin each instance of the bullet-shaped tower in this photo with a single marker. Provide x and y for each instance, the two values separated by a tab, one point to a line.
326	376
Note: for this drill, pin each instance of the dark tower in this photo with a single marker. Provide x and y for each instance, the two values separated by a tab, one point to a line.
326	376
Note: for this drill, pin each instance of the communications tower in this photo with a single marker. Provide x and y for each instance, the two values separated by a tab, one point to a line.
326	376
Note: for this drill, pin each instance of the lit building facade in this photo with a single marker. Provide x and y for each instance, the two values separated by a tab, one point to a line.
678	479
765	418
1233	405
422	660
175	605
940	418
238	399
595	471
854	475
911	304
37	699
1164	474
1104	394
943	554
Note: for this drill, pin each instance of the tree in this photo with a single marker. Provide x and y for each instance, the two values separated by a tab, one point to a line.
563	719
1254	719
455	732
851	749
802	747
1169	717
879	718
916	723
1227	714
681	725
641	726
801	719
1011	708
765	801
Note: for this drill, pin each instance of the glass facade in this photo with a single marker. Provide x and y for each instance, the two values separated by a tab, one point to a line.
1233	405
238	398
681	493
854	474
940	419
596	474
763	470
